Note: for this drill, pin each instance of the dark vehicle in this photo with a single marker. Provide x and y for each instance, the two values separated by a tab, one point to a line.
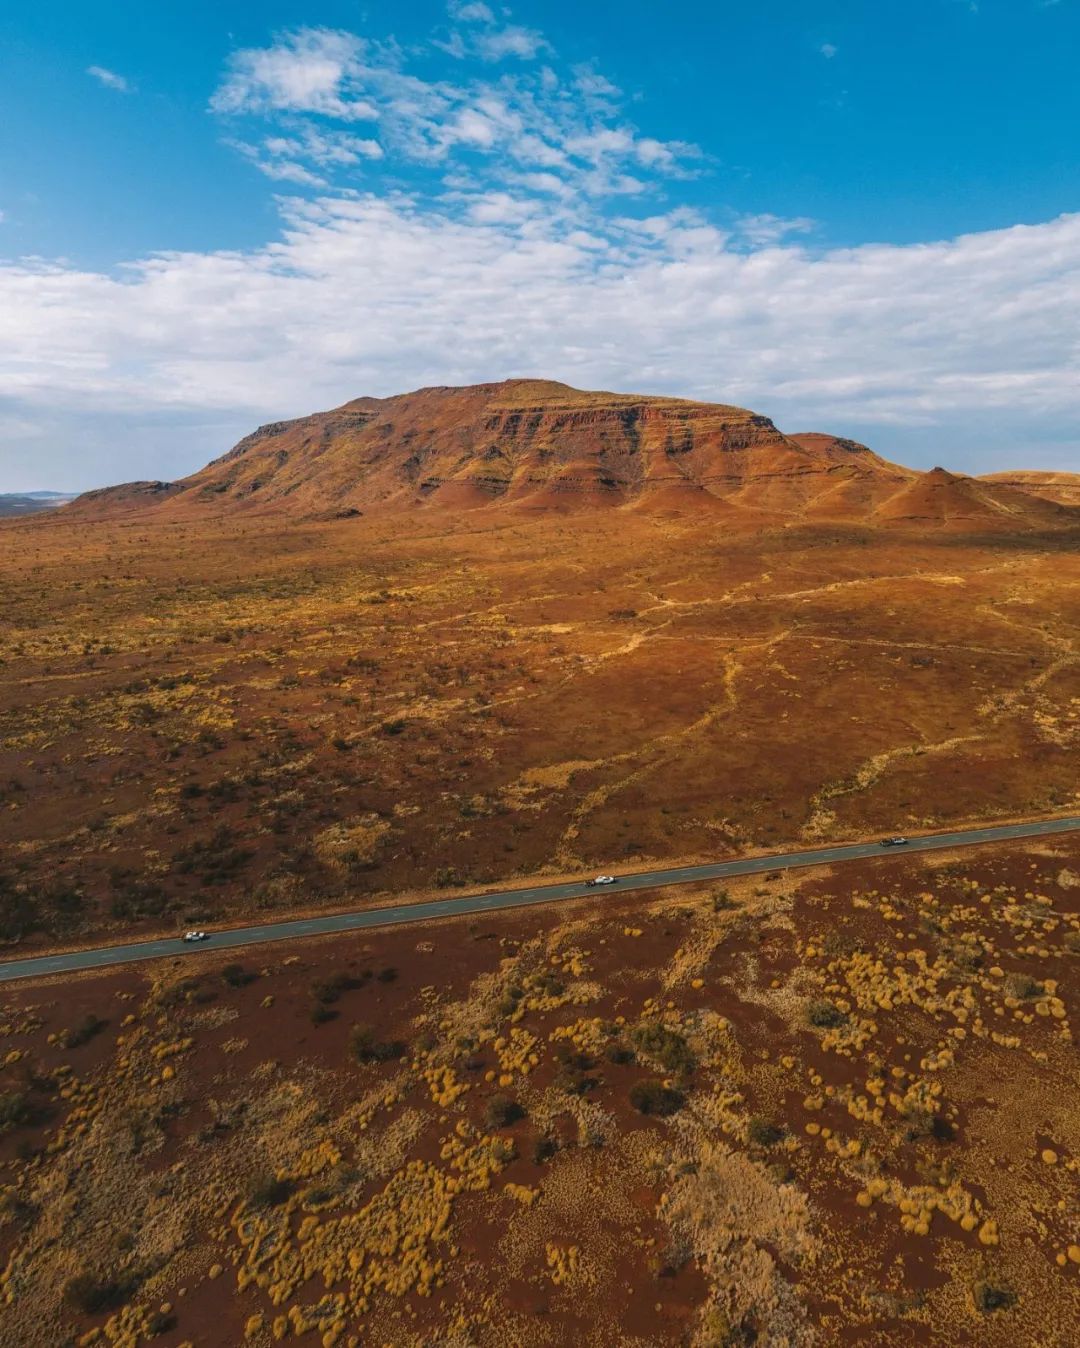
894	842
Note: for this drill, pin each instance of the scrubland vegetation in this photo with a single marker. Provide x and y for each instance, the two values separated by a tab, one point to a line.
814	1110
211	718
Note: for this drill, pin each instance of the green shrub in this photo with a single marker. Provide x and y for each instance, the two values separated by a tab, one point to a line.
16	1110
90	1293
1023	987
366	1047
926	1123
215	860
87	1028
236	976
544	1148
20	913
573	1080
502	1110
267	1191
327	990
668	1048
989	1298
14	1208
763	1133
447	877
825	1015
654	1098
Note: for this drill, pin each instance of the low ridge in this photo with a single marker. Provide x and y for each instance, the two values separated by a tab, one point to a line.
952	501
535	444
1062	488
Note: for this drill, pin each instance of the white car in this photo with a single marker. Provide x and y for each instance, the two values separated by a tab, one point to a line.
601	880
196	936
894	842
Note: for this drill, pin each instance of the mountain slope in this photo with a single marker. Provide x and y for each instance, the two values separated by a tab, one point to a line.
537	444
525	442
951	501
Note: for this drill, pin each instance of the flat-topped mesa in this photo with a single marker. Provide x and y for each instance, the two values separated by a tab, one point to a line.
1062	488
531	444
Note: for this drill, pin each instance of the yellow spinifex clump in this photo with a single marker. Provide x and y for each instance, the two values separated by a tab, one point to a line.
388	1245
170	1050
444	1085
586	1034
563	1263
917	1205
516	1053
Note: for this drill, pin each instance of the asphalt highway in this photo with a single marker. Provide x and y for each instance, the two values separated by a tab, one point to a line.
234	938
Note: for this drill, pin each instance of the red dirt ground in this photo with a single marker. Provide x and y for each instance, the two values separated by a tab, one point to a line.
877	1137
201	721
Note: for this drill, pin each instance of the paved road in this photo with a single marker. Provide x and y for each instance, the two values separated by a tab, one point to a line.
510	898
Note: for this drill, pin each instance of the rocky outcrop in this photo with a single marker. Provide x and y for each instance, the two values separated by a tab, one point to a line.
539	445
126	498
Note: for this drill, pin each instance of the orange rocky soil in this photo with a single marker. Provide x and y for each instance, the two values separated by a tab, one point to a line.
830	1109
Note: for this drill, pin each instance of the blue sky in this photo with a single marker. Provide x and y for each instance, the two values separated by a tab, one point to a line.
850	216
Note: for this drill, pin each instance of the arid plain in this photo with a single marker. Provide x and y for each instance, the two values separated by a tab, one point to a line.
473	636
829	1109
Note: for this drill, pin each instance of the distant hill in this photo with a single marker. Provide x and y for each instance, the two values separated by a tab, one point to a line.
1064	488
31	502
951	501
530	444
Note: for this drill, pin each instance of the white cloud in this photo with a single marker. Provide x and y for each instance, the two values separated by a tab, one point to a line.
110	79
524	43
288	158
486	40
312	70
827	50
312	78
325	148
543	182
765	228
470	12
506	258
970	337
594	85
500	208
